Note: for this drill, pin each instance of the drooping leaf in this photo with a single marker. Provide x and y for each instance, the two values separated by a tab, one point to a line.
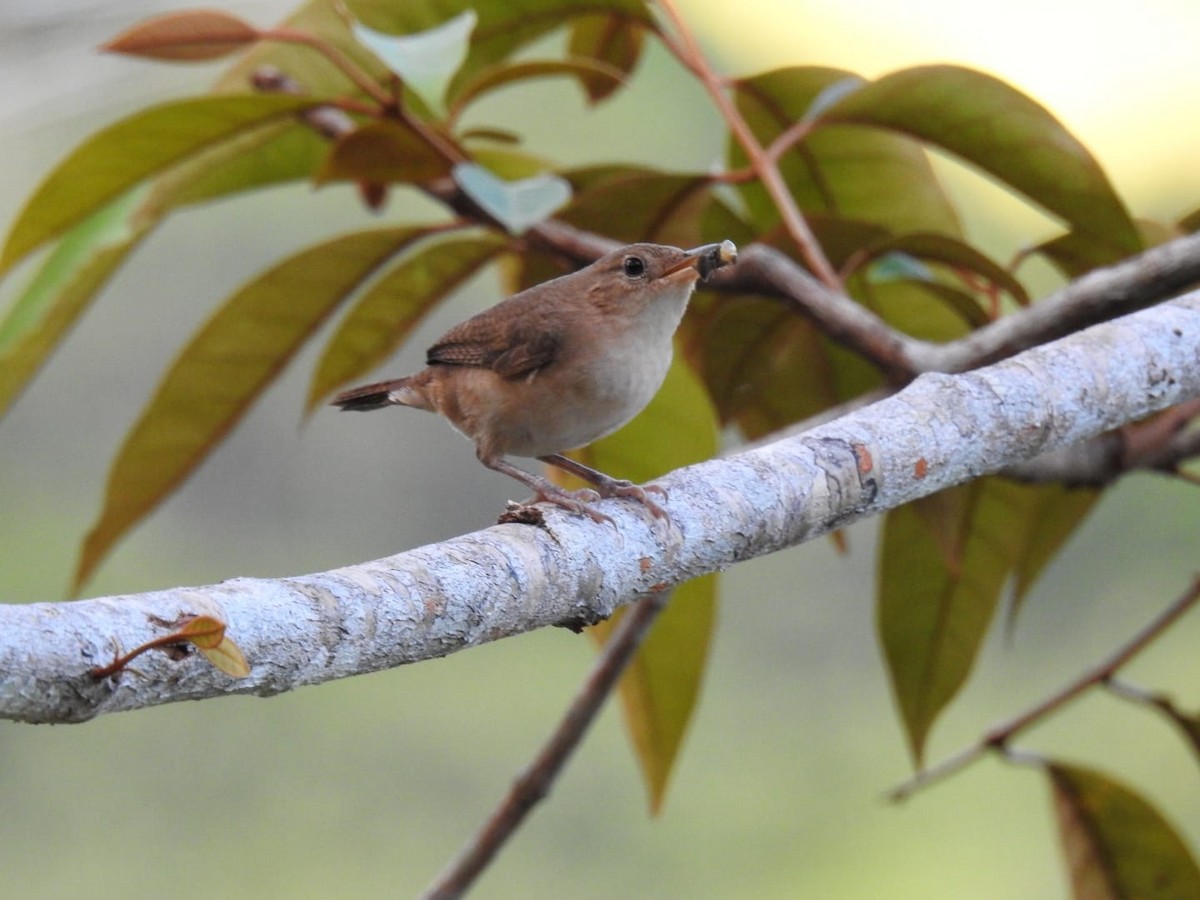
124	154
517	205
919	308
868	175
224	368
764	366
612	40
382	152
386	313
953	252
587	71
424	60
190	35
270	155
990	124
1055	513
1116	845
661	687
61	290
943	562
632	203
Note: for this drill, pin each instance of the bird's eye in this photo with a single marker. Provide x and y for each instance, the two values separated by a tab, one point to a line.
633	266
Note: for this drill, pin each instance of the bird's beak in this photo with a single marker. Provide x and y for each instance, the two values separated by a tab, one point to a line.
707	259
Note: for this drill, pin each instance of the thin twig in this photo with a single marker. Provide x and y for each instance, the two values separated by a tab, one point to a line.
687	50
997	738
533	784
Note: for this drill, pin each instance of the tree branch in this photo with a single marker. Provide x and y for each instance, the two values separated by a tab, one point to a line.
508	579
998	738
534	783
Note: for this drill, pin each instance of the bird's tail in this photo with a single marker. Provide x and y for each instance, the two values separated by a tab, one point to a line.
398	392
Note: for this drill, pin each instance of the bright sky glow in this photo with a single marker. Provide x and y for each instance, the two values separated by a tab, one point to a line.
1124	77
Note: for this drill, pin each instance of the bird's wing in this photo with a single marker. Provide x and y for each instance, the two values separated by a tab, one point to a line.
511	349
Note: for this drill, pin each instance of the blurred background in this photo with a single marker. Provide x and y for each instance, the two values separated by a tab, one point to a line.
367	787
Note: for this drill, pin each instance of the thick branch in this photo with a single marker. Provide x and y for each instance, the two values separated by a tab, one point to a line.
508	579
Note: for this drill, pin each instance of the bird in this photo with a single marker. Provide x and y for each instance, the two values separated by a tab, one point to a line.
558	366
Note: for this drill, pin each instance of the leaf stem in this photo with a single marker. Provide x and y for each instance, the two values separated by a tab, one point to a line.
684	47
998	738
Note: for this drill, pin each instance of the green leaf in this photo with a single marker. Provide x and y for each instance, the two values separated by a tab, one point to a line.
1002	131
272	154
425	60
382	152
224	368
587	71
389	310
1116	845
1055	512
950	251
661	687
504	26
612	40
517	205
124	154
748	349
62	289
923	309
943	563
846	171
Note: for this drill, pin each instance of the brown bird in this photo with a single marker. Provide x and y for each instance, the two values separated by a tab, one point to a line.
559	365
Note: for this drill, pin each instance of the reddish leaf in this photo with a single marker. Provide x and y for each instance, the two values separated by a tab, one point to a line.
382	151
188	36
631	203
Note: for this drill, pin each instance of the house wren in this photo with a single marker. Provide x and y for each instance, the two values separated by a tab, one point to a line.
559	365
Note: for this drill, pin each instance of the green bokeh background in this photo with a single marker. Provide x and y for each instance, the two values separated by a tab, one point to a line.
367	787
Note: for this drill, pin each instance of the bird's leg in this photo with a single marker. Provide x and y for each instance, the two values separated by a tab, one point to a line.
544	489
609	486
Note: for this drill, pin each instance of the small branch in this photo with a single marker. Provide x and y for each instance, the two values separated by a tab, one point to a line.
534	783
1100	295
686	49
1159	444
998	738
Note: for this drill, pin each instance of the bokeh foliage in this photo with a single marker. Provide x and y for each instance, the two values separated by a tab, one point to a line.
855	157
